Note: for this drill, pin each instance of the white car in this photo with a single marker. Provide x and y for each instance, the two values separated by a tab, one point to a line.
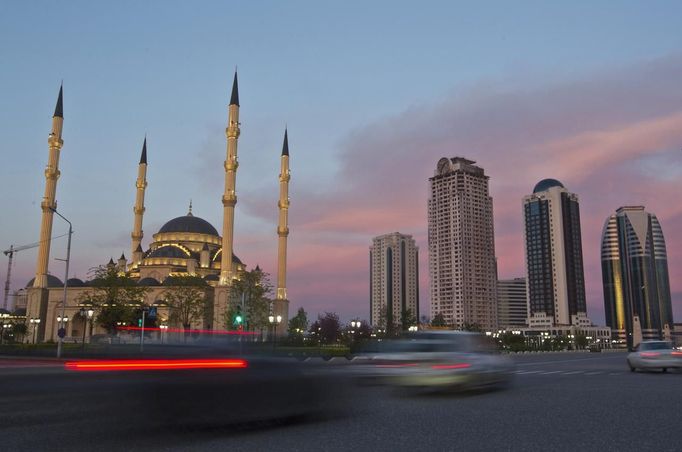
655	355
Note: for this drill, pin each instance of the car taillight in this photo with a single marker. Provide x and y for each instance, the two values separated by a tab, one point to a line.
677	353
650	354
154	364
451	366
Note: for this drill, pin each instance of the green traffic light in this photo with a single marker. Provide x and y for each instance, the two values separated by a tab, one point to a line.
238	319
139	322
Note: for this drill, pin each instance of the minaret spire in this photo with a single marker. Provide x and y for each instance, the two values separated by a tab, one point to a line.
283	227
229	196
234	99
55	143
138	209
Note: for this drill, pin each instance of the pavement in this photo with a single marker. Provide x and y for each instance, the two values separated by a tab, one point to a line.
558	401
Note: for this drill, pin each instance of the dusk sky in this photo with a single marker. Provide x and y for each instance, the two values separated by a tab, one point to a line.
373	94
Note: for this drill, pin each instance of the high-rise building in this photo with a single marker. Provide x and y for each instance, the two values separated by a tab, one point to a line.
462	267
554	257
394	280
512	303
635	276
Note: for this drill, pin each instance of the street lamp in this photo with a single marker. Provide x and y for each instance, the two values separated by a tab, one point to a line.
164	329
4	327
274	321
35	323
61	332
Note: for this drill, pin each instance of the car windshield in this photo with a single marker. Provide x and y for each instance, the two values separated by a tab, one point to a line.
655	346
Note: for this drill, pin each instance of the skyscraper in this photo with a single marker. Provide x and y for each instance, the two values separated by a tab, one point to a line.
635	276
554	257
462	266
394	280
512	303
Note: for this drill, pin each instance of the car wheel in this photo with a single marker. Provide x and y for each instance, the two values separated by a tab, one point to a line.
632	369
665	369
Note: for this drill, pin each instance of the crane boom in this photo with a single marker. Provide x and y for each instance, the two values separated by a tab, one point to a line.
10	253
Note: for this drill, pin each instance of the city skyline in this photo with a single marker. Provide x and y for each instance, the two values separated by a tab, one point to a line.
588	128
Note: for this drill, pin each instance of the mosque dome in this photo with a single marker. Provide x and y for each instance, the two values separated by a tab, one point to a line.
75	282
169	251
52	281
189	223
546	184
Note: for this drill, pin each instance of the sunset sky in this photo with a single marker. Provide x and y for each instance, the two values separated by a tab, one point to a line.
373	93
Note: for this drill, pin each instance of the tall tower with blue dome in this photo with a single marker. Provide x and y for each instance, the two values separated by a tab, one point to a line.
554	259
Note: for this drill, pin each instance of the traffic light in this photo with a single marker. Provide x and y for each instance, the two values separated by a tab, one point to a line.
238	317
139	322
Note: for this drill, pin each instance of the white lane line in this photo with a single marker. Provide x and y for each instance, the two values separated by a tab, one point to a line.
541	363
593	373
615	373
525	372
552	372
574	372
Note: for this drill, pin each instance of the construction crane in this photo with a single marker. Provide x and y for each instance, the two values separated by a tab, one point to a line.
10	253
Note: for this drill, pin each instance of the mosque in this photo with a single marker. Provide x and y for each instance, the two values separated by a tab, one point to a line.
186	245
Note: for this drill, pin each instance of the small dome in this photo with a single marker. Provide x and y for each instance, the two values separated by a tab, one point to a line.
189	223
52	281
75	282
168	251
212	278
148	281
234	257
546	184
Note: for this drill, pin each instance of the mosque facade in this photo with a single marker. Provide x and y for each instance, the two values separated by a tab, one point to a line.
186	245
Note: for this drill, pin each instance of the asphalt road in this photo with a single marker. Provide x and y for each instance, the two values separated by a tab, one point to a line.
559	401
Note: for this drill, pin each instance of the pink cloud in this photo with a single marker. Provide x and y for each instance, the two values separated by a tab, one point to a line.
612	138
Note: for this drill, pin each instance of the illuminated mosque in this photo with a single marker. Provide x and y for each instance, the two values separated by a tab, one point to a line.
186	245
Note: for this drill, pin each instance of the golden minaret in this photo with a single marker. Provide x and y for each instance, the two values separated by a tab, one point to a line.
49	202
138	209
230	197
283	226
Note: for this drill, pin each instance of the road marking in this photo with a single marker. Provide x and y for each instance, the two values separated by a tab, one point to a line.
542	363
574	372
552	372
615	373
593	373
524	372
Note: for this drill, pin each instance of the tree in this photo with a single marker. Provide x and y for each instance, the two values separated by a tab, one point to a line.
327	328
187	299
114	296
581	341
250	294
439	321
298	325
19	330
407	319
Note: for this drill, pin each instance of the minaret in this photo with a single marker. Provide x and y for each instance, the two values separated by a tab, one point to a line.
139	209
230	197
283	227
49	202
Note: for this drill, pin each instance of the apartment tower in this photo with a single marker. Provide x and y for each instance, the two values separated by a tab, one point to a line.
462	267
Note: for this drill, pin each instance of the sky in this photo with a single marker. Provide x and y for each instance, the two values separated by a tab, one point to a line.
372	93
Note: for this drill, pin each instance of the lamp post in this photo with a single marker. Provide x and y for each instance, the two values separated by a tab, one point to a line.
35	323
62	320
66	279
274	321
86	314
163	329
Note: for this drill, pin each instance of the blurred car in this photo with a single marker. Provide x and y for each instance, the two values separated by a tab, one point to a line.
655	355
436	360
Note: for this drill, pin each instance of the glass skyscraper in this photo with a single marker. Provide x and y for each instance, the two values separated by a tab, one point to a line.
554	259
635	276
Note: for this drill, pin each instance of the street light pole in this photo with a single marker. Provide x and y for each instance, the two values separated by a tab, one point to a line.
66	279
